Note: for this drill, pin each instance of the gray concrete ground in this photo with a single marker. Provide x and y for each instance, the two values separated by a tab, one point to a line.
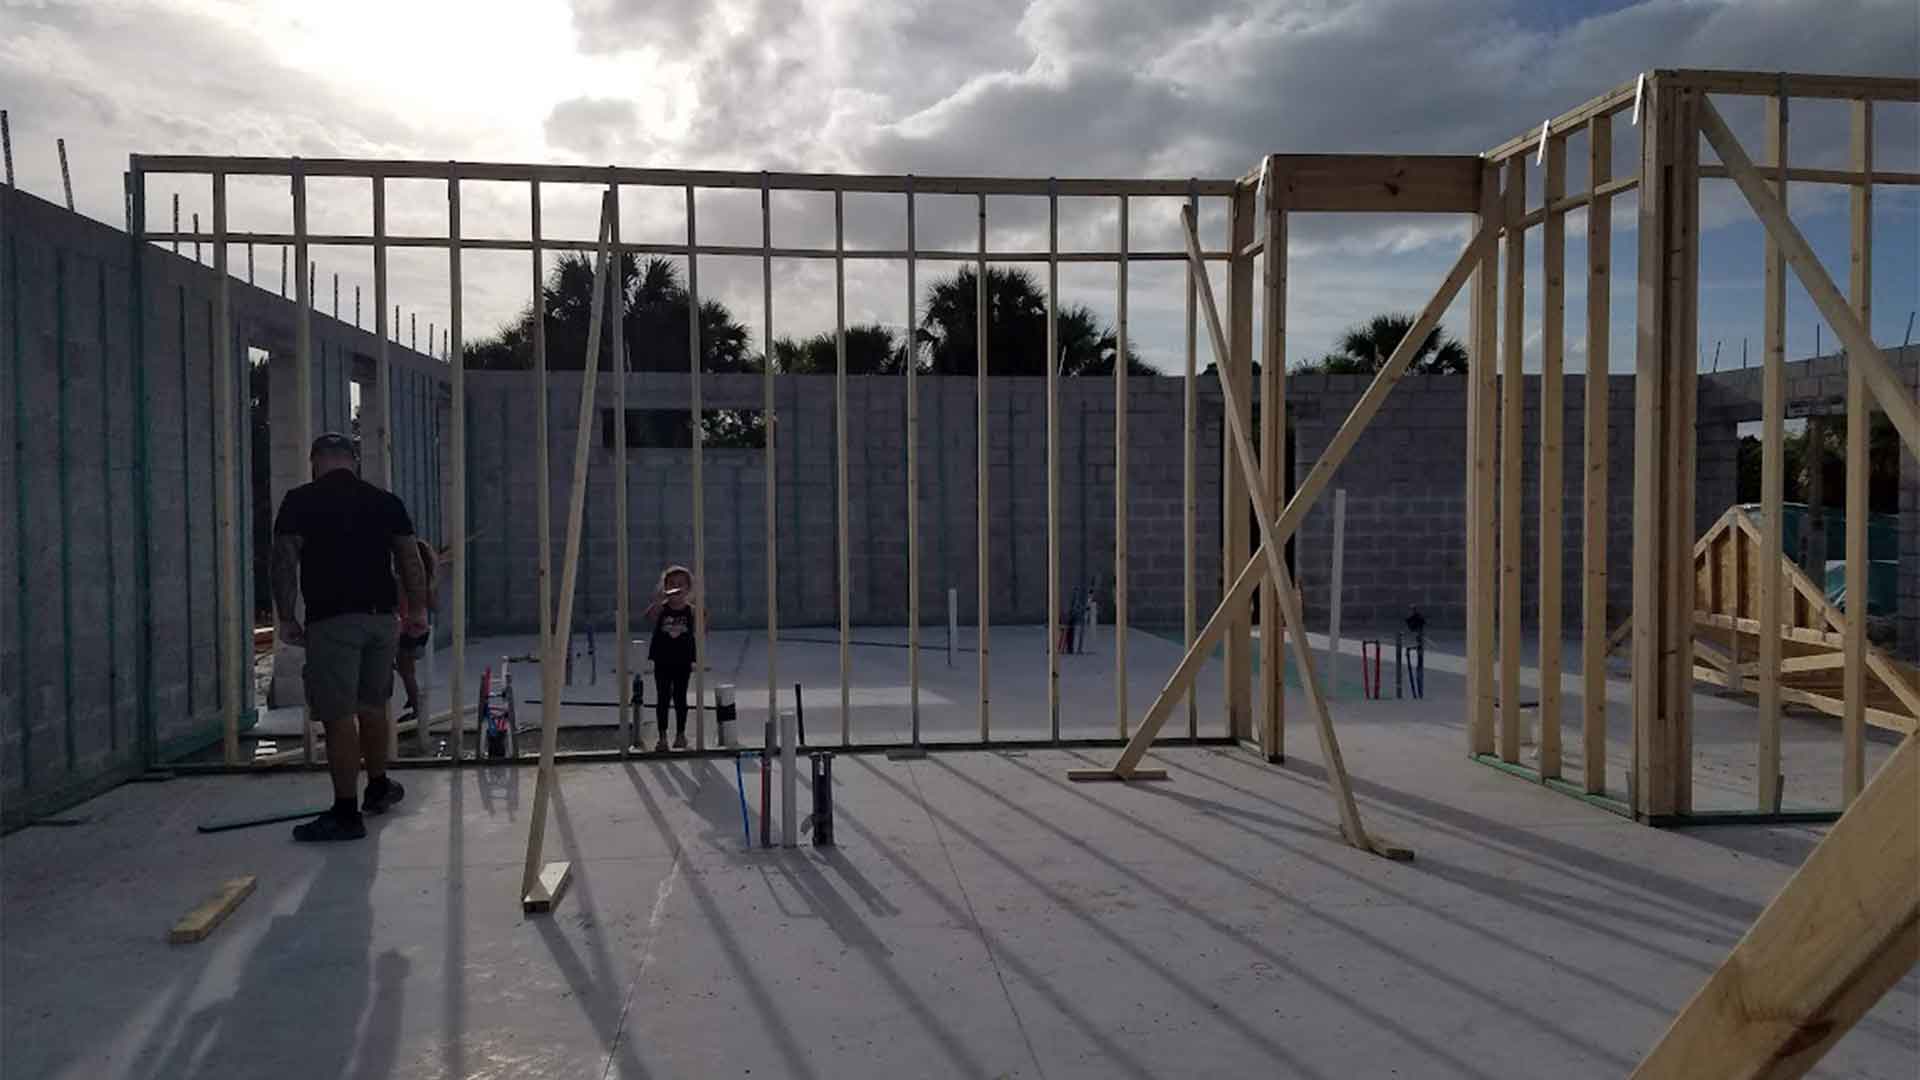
981	917
1726	754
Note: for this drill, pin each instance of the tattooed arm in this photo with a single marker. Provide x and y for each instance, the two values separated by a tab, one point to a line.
286	586
413	580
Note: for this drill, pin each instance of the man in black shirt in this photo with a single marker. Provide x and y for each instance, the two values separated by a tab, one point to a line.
338	542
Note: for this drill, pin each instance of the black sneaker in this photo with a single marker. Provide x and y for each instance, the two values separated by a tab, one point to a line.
382	795
330	827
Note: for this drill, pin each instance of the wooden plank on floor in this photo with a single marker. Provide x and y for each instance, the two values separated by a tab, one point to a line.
1084	776
195	925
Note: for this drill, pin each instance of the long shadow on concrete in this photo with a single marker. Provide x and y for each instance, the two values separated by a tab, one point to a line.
1779	845
596	988
1252	1035
1693	926
1432	971
453	993
311	967
793	1055
1000	954
1686	895
1507	890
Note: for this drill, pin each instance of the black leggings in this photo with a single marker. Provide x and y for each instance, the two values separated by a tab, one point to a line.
670	685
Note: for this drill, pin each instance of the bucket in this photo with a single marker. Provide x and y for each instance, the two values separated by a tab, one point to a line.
724	714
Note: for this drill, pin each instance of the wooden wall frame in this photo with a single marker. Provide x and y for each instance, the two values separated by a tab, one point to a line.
1831	978
1673	110
1311	179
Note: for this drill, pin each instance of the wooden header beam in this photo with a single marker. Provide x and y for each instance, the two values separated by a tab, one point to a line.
1792	84
739	251
1764	83
1618	99
884	183
1312	183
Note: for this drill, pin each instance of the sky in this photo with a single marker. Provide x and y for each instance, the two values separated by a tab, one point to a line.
996	87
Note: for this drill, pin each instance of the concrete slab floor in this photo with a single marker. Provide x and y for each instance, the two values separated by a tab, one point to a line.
1726	734
981	917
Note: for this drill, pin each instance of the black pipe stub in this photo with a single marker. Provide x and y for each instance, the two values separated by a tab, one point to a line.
822	819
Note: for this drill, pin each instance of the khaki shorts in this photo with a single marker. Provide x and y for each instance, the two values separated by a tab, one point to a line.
349	664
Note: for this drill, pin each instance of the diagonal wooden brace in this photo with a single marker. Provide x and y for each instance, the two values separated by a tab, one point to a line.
1276	532
1271	551
539	889
1842	931
1862	353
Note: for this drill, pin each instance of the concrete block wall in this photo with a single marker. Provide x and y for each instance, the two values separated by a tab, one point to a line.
661	514
113	638
1406	500
1406	484
69	719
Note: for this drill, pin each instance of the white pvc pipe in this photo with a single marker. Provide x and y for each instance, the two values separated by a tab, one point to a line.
1339	566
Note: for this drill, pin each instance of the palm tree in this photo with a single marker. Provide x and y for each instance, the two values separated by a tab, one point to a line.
1016	329
655	331
1365	349
871	350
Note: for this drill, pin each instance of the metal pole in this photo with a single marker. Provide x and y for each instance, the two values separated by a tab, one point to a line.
6	144
66	180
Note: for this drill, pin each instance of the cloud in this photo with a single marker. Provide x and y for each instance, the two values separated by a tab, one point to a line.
1013	87
591	127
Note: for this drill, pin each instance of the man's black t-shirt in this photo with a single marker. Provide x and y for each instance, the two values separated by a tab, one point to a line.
346	528
672	644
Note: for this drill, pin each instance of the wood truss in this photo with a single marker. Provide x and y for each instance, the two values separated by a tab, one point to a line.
1813	634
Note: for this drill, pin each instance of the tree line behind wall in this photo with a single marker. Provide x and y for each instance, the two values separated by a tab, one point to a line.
654	301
